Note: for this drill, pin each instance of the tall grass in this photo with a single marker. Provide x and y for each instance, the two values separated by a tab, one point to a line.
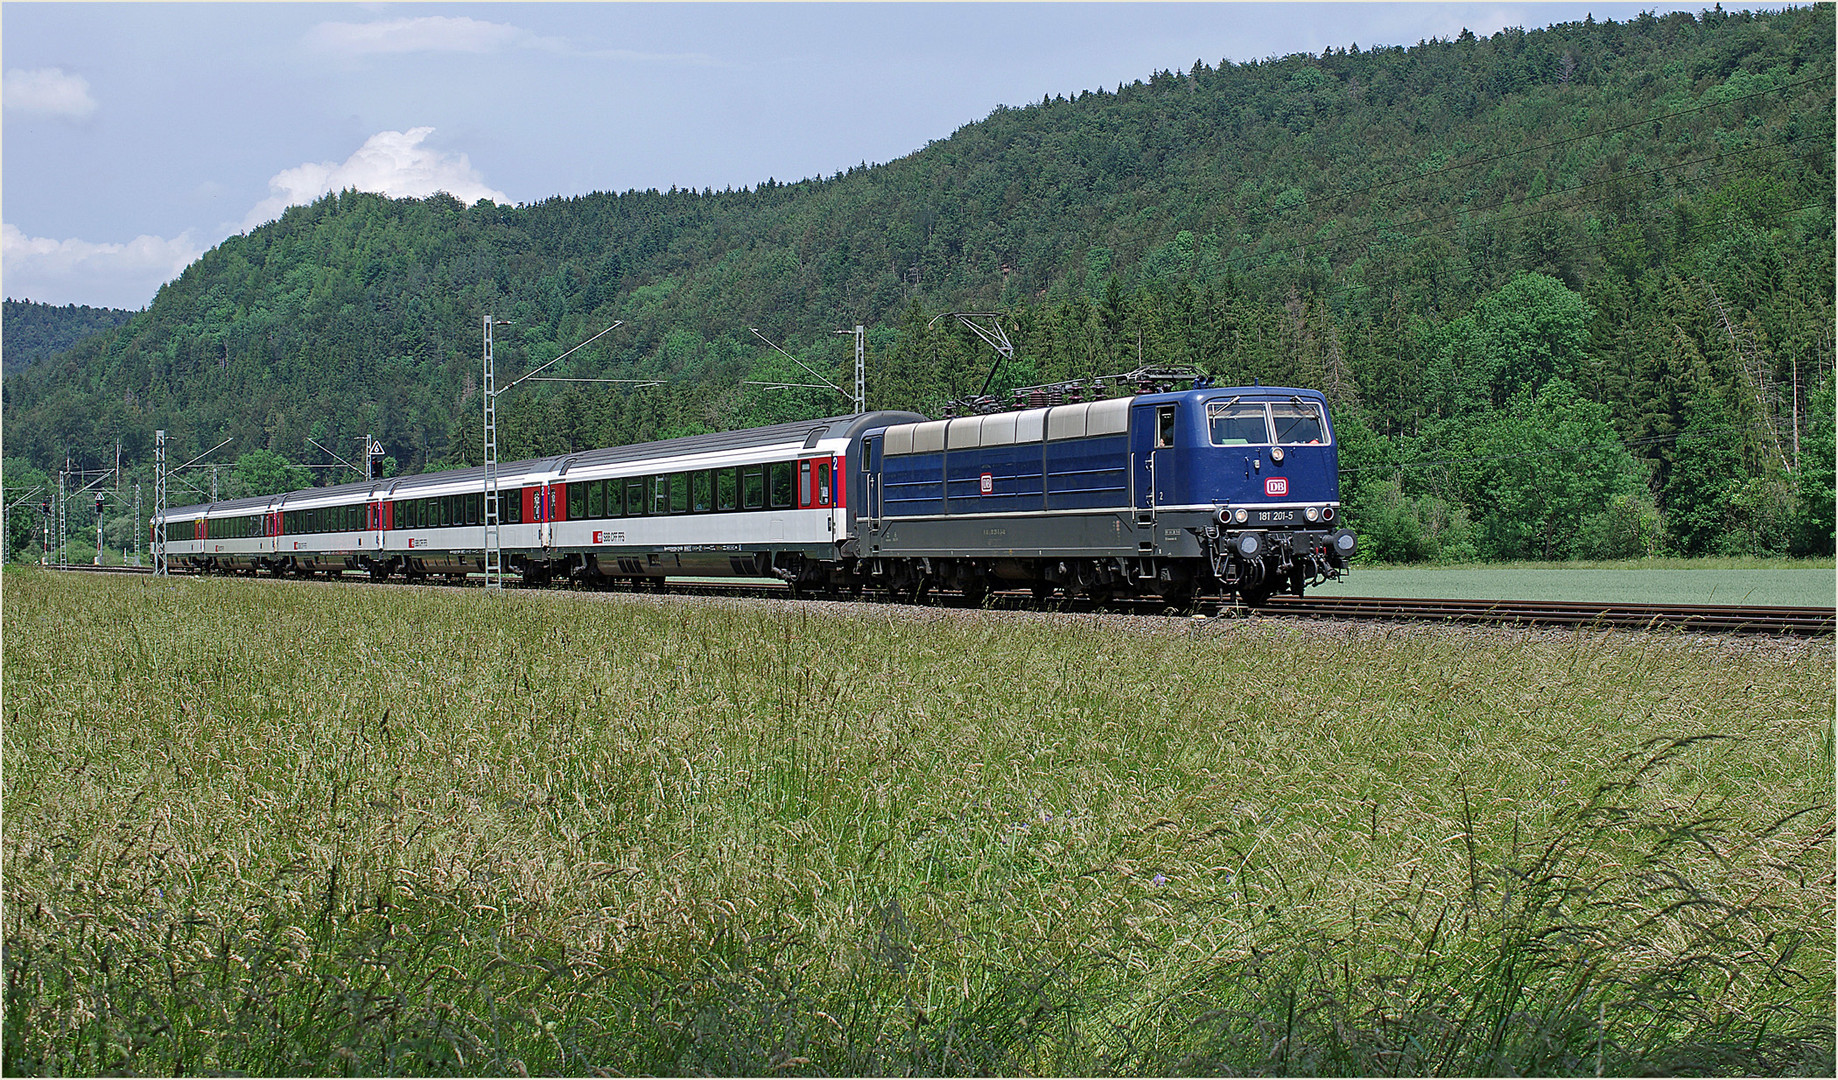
274	828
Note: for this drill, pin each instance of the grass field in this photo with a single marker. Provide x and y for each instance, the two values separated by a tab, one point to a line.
274	827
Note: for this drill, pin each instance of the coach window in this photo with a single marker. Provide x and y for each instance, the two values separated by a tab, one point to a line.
753	487
660	494
596	499
702	485
634	496
780	488
724	489
1164	426
823	483
804	484
679	493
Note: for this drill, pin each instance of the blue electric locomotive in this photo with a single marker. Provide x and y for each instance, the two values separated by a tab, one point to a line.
1230	490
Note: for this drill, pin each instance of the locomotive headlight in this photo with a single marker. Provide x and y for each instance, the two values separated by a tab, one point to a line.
1249	543
1241	515
1276	454
1312	514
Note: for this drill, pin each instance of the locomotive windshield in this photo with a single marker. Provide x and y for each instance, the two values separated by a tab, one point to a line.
1234	423
1298	422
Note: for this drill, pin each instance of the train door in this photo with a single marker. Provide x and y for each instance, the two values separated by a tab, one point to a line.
869	490
816	486
1151	437
377	515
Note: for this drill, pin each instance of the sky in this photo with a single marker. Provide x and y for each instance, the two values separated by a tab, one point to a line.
135	137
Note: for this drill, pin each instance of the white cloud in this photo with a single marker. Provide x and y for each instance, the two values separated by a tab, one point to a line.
445	34
429	33
47	92
393	163
79	271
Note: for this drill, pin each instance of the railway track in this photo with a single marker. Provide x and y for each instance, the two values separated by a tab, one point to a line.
1702	618
1695	618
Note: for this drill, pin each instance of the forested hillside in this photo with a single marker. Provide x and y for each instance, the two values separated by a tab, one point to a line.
1571	289
31	332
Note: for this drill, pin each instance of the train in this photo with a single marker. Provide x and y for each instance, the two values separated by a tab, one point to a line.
1229	491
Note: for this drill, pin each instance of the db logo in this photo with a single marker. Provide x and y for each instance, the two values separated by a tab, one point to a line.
987	484
1276	485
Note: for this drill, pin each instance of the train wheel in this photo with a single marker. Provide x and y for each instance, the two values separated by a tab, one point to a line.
1179	598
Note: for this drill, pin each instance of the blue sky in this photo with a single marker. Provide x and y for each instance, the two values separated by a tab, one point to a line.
137	136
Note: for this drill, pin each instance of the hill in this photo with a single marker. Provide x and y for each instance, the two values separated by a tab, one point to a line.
30	332
1612	233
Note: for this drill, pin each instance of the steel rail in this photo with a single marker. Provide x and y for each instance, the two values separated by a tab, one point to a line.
1706	618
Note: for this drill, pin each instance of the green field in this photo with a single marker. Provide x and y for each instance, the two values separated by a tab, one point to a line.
1794	583
278	827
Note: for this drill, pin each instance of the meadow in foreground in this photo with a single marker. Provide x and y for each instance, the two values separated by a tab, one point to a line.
280	828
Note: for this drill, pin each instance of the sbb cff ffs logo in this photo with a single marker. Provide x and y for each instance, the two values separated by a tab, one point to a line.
1276	486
